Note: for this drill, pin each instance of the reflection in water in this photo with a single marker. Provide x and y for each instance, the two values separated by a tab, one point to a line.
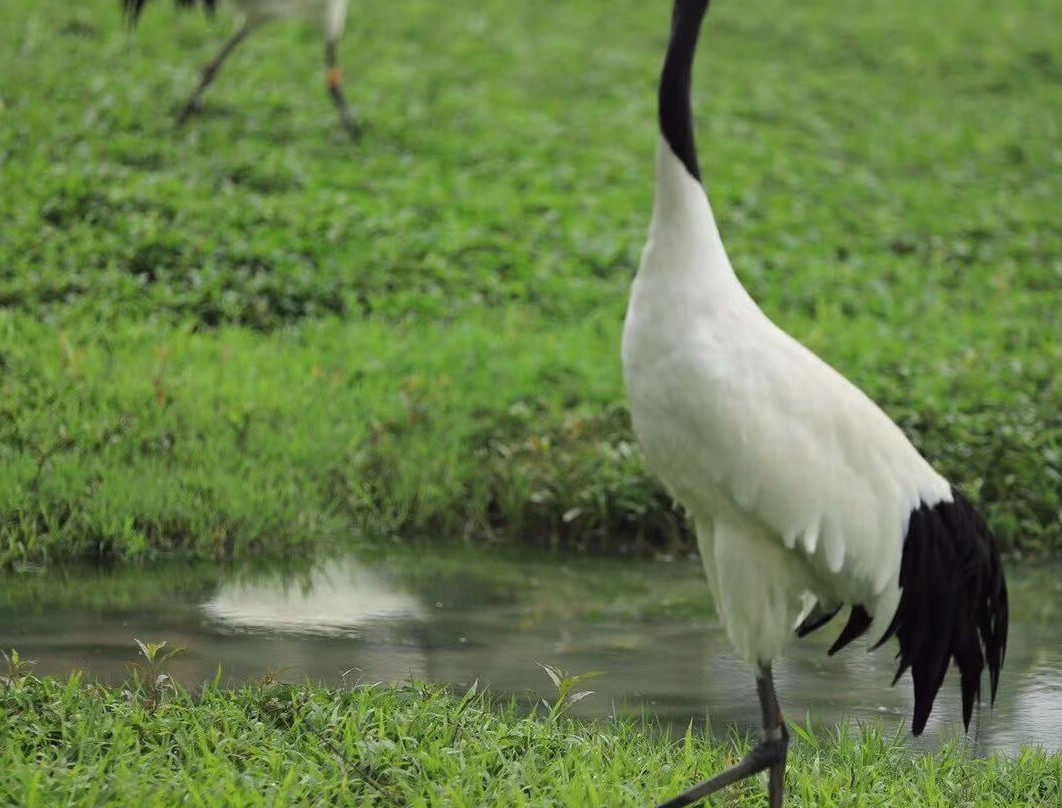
455	618
338	598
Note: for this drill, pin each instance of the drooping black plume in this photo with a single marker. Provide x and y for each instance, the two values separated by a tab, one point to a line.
816	620
858	622
132	8
676	116
953	606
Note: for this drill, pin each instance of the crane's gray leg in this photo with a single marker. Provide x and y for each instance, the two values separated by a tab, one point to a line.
335	89
211	71
773	726
769	753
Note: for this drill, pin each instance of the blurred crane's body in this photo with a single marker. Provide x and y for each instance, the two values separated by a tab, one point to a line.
331	15
805	497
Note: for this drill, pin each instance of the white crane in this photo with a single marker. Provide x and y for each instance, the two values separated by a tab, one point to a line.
332	15
805	497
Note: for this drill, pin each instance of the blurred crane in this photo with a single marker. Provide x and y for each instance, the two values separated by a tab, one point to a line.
805	496
331	14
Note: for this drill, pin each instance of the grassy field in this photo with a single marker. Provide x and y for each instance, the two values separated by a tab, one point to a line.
248	335
77	744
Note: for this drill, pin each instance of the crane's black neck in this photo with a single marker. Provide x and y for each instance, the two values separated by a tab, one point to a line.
676	118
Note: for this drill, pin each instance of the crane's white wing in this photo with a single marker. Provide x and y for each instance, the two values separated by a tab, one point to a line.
738	418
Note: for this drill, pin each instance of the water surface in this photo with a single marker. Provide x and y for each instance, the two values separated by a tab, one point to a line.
458	615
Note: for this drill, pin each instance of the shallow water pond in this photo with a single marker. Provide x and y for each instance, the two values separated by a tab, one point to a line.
461	614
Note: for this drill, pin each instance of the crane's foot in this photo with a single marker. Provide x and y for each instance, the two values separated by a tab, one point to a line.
770	753
350	125
210	72
189	108
346	117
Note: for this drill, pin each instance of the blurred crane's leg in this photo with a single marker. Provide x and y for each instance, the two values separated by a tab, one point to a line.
211	71
335	89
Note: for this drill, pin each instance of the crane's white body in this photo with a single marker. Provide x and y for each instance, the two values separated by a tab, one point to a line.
800	487
331	14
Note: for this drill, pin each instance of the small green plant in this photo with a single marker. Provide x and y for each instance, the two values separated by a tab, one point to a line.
148	680
272	677
565	683
15	668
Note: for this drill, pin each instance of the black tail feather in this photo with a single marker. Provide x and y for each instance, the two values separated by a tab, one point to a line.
816	620
953	606
993	620
132	8
858	622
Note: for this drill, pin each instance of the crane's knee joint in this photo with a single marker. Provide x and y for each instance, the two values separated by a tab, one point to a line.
773	746
335	78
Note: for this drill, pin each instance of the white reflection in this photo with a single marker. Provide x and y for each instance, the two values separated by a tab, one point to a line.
335	599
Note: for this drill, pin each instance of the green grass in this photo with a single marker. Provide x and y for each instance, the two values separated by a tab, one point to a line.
248	336
78	744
